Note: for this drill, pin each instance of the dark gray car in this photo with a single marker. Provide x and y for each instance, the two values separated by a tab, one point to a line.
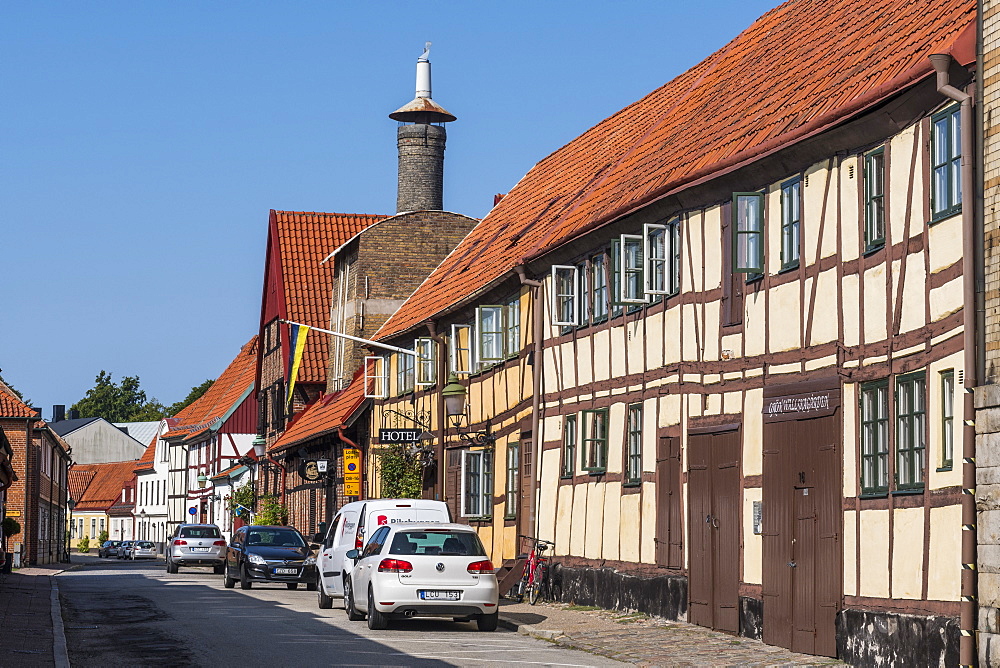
195	545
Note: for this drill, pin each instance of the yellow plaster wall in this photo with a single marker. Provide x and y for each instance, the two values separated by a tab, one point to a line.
612	520
875	304
753	545
753	433
944	568
617	351
754	325
826	316
654	341
786	309
946	299
712	221
850	553
564	520
636	346
690	342
945	243
851	288
907	560
849	406
602	342
548	494
848	191
595	520
913	294
631	523
578	538
902	169
616	436
672	335
874	553
648	546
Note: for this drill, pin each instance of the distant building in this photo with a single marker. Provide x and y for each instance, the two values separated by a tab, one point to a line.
98	488
96	441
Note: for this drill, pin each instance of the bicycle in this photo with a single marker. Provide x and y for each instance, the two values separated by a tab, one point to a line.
535	580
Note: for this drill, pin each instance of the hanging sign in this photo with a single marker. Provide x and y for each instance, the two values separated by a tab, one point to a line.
395	436
352	472
309	471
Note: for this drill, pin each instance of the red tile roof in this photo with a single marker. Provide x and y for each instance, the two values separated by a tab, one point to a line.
305	239
798	70
323	416
220	399
105	488
146	461
11	406
79	478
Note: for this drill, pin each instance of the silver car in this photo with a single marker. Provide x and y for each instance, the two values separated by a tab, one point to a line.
195	545
142	549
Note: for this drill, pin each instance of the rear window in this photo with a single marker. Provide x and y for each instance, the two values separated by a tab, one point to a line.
444	543
200	532
275	537
144	543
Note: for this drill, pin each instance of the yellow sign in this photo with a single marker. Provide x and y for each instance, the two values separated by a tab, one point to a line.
13	513
352	472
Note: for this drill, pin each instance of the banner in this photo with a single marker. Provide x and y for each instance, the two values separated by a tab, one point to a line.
297	346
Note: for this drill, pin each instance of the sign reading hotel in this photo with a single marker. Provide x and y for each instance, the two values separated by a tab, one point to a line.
352	472
395	436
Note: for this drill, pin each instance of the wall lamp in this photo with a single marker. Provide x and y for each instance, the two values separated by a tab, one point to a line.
202	479
455	394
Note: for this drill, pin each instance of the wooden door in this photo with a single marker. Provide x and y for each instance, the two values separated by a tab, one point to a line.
669	538
803	570
714	490
525	499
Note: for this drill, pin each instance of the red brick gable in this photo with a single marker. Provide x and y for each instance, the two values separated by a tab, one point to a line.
799	70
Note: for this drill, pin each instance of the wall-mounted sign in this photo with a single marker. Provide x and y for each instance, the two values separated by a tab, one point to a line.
13	513
758	517
192	511
309	471
803	400
322	465
352	472
389	436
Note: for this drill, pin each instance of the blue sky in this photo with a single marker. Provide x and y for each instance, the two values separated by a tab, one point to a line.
142	145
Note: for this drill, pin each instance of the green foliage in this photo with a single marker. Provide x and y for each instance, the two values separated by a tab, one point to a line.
101	537
192	396
402	474
83	547
243	496
126	402
10	526
271	512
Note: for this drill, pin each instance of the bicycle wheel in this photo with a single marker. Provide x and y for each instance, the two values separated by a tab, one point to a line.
538	581
533	592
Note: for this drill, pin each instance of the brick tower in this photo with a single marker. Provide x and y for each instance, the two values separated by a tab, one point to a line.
421	138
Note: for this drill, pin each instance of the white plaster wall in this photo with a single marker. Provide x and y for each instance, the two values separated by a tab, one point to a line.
672	335
902	169
786	309
849	224
753	545
636	346
907	561
875	304
564	520
602	365
595	520
946	299
616	436
690	343
648	551
618	351
849	406
654	341
874	553
710	346
753	432
612	520
548	494
850	553
631	522
851	287
945	243
826	316
754	325
944	568
912	316
578	538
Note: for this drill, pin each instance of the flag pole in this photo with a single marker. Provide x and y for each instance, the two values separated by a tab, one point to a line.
353	338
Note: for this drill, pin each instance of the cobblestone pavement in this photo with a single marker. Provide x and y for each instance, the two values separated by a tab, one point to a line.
643	640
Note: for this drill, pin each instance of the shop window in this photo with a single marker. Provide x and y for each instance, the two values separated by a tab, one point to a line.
874	195
946	163
791	221
477	483
595	440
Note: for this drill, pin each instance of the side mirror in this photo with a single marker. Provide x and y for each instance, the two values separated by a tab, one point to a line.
318	538
353	554
313	546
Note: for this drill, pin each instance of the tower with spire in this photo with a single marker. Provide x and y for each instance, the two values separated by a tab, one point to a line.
421	141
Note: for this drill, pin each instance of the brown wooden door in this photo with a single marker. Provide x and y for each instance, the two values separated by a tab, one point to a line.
524	527
714	491
669	530
803	556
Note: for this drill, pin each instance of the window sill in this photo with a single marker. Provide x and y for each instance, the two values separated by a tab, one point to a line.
632	483
478	518
944	469
566	476
596	472
874	495
788	268
871	250
944	215
753	278
908	491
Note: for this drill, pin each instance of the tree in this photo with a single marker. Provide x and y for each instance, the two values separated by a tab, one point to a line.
126	402
101	537
83	545
192	396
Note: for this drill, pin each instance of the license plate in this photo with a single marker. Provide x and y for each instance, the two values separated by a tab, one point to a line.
199	549
440	595
286	571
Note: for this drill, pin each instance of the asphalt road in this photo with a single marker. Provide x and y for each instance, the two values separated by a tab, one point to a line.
120	613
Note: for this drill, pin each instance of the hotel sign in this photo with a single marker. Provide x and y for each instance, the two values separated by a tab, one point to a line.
396	436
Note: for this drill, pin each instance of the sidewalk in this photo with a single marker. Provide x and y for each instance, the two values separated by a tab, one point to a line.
30	618
640	639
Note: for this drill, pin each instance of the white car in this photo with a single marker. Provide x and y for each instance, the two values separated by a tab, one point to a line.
422	570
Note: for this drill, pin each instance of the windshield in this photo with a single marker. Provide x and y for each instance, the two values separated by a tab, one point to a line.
200	532
275	538
444	543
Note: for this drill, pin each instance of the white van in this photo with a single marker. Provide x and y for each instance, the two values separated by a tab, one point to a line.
352	525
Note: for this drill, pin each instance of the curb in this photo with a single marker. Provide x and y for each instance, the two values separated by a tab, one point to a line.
60	652
529	629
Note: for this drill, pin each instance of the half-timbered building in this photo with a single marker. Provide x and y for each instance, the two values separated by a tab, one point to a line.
714	347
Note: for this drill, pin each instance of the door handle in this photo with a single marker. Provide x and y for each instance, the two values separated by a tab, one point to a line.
715	522
792	564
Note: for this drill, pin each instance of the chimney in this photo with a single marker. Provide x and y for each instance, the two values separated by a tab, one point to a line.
58	412
421	139
74	414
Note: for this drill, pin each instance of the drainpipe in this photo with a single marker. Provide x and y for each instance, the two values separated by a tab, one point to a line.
536	388
361	459
967	622
442	373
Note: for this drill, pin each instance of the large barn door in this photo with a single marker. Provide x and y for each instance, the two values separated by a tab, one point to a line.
714	490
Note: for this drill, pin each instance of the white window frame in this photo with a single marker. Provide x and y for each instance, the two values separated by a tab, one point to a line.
626	269
482	359
573	296
651	260
376	373
485	484
426	363
456	349
512	326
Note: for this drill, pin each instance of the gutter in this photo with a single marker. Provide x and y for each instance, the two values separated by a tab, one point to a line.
970	278
537	328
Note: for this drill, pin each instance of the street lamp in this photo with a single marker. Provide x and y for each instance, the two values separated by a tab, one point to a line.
71	504
142	524
259	446
455	394
202	479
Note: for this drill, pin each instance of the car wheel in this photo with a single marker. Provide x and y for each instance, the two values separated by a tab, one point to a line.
352	612
376	620
227	581
171	568
325	602
292	585
219	570
245	581
488	622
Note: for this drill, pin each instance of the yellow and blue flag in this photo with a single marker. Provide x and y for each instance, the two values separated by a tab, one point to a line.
298	346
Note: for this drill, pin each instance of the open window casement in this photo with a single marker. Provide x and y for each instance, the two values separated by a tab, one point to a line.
376	378
426	350
490	335
461	349
630	261
748	233
656	249
565	300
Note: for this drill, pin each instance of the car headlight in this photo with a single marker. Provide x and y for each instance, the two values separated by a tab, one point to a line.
256	559
310	561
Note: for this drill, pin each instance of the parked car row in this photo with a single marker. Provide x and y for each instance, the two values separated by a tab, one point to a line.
386	559
127	549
